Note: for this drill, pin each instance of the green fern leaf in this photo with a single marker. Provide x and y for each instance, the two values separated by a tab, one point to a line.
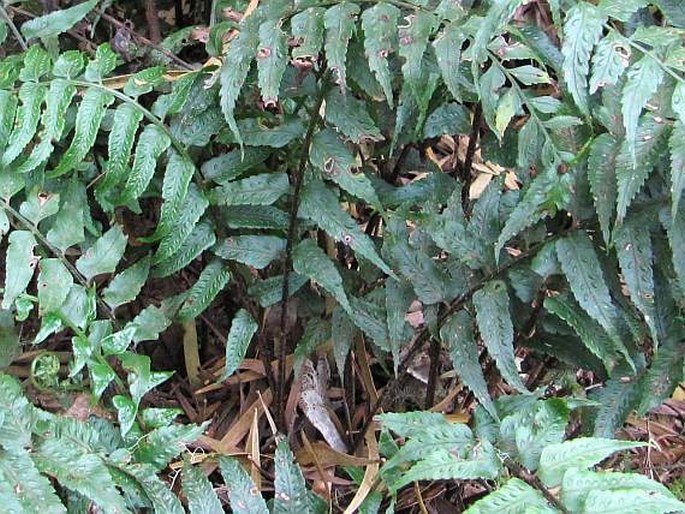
584	274
174	102
69	64
235	68
177	177
678	101
57	100
601	169
152	142
321	206
411	424
663	376
428	280
528	430
497	330
509	105
19	416
165	443
200	238
256	251
263	189
243	493
271	60
583	452
31	96
611	58
80	471
23	488
243	328
149	324
591	333
497	16
79	307
57	22
677	165
39	205
141	379
350	116
339	22
379	24
490	85
630	501
270	291
121	138
310	261
342	337
195	205
144	81
67	227
457	334
533	206
577	484
104	63
210	283
370	318
232	165
643	81
621	9
675	228
634	250
514	497
8	106
651	140
306	28
451	233
454	438
330	155
582	30
126	286
199	491
91	111
413	40
36	64
20	264
54	281
481	462
447	47
255	133
162	498
398	298
104	255
290	495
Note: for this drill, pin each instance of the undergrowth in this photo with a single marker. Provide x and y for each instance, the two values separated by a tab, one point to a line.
370	182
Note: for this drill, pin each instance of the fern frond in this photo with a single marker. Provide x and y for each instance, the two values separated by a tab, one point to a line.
582	30
339	22
379	24
90	113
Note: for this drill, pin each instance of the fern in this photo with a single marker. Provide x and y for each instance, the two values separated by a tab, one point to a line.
351	162
563	465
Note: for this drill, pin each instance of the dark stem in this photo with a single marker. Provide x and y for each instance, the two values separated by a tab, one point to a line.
534	481
297	180
466	176
434	355
147	42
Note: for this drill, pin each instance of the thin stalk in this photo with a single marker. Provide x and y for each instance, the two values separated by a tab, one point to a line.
13	28
297	178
